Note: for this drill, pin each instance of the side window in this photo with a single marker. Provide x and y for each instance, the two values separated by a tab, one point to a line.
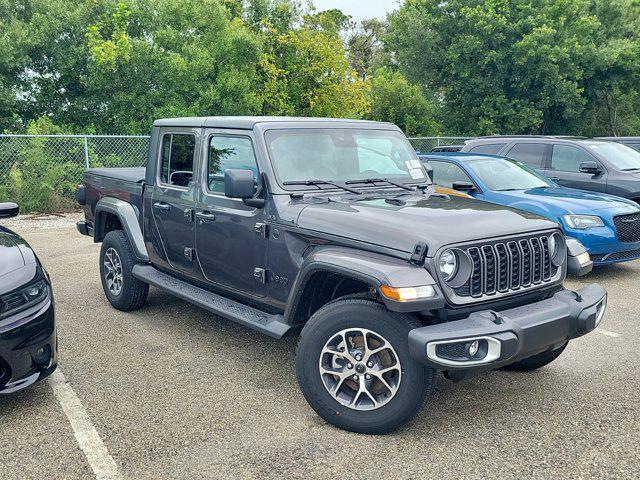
635	146
488	148
567	158
445	173
531	154
227	152
176	166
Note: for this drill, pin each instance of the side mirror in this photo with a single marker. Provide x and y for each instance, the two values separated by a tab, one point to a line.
463	186
590	167
239	184
8	210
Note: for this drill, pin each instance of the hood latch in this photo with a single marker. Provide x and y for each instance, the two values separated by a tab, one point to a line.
419	254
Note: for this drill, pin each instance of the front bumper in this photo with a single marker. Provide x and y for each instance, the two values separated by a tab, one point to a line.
28	347
510	335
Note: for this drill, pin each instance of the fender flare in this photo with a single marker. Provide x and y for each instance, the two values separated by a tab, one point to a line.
129	219
371	268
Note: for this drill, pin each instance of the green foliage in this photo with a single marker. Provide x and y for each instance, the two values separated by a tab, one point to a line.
519	66
395	100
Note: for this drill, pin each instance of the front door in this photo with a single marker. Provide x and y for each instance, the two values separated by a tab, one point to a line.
564	169
230	236
173	200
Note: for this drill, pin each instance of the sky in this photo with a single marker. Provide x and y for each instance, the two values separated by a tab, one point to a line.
359	9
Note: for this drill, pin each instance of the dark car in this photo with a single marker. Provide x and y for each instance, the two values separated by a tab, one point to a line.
332	228
574	162
28	342
633	142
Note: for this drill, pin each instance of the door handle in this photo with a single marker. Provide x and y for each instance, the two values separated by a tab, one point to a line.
162	206
206	216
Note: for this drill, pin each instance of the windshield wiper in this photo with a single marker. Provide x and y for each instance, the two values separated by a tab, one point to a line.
322	182
379	180
630	169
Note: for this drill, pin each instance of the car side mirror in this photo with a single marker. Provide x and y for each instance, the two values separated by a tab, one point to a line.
463	186
590	167
239	183
8	210
429	169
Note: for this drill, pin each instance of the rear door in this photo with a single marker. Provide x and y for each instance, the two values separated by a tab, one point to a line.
564	168
532	154
173	199
231	238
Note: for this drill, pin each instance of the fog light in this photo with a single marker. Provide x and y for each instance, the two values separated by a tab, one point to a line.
472	348
43	354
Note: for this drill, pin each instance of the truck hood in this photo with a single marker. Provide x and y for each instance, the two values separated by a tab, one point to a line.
562	200
400	223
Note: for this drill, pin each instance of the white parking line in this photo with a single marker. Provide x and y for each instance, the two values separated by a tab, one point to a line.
607	332
102	463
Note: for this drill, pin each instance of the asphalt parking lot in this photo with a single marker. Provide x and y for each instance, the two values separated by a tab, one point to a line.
176	393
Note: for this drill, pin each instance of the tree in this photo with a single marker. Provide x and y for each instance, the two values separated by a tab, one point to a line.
395	100
502	66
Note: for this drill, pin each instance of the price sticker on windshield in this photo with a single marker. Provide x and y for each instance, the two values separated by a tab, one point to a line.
416	173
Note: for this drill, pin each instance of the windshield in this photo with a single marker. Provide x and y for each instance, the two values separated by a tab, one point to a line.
502	174
343	155
618	155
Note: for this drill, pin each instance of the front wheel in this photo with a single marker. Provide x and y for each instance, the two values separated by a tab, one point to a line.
354	368
124	291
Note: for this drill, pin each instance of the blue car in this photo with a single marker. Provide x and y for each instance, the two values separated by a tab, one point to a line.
607	226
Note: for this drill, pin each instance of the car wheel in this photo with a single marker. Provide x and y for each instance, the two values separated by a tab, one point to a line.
536	361
123	290
354	368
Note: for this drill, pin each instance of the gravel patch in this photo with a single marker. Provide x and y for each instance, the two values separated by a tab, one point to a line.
43	221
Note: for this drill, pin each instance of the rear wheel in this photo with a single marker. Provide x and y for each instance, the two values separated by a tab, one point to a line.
537	361
354	368
123	290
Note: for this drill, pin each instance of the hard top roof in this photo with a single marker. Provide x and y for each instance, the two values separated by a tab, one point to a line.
247	123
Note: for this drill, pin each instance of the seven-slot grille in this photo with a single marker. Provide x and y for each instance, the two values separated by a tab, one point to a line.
507	266
628	227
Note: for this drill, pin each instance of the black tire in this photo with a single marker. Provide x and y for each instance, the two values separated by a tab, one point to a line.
133	294
415	382
536	361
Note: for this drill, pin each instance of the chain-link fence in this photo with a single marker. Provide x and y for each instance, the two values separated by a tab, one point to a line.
426	144
40	172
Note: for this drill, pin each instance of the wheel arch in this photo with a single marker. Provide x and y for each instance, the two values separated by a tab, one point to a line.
333	272
115	214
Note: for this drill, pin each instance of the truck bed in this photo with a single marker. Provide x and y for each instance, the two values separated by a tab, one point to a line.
122	183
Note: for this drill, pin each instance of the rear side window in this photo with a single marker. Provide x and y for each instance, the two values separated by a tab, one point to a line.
176	166
567	158
446	173
488	148
531	154
227	152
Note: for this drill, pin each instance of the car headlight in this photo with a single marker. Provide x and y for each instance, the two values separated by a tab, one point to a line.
557	249
582	222
25	297
448	264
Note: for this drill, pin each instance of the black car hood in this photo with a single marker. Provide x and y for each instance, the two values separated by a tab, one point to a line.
17	261
400	223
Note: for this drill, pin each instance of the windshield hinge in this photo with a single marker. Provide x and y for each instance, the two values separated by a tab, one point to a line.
419	254
261	229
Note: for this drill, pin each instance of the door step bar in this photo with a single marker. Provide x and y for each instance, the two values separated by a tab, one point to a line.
272	325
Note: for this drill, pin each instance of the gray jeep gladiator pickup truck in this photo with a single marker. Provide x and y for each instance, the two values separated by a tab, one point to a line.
331	228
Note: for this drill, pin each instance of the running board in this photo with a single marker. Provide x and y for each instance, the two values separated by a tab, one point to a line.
272	325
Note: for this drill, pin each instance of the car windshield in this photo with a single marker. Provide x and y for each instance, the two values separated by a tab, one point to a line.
502	174
620	156
342	155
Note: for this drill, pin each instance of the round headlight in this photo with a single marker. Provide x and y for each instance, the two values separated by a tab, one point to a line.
448	265
553	246
557	249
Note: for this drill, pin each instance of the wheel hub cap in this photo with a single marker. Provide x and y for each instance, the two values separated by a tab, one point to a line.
113	271
360	369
